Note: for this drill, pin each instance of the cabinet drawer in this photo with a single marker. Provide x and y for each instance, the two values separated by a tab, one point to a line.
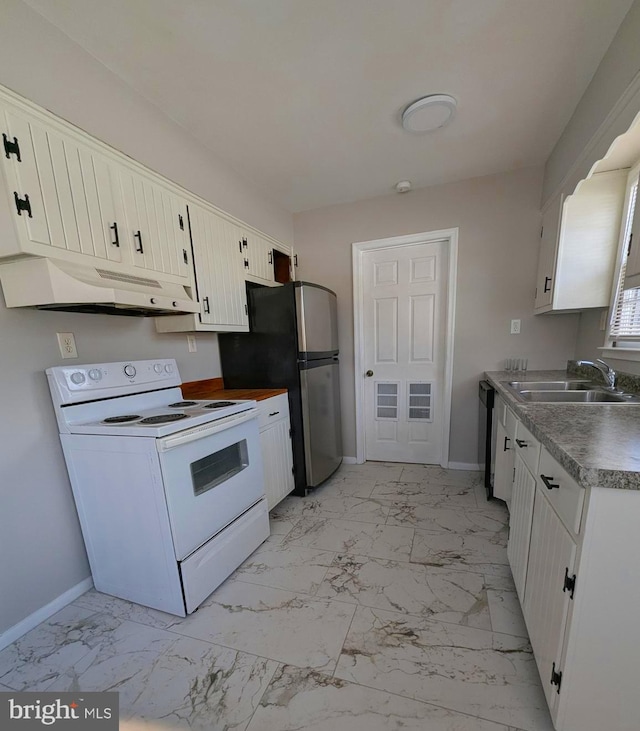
273	409
562	491
528	447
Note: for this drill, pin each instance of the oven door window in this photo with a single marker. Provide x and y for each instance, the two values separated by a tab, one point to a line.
216	468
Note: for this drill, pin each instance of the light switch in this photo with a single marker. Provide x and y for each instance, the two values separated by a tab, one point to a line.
191	342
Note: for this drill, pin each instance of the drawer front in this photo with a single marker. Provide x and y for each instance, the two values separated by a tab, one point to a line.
562	491
212	563
528	447
273	409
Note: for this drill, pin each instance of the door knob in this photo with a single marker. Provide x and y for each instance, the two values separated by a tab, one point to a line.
368	374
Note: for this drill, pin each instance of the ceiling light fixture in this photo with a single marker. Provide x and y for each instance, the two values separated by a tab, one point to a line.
429	113
404	186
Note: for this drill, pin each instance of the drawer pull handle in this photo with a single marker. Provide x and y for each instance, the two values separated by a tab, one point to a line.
505	448
547	282
569	583
548	481
205	305
274	413
521	443
138	235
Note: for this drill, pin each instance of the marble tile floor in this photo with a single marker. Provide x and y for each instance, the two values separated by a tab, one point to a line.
382	601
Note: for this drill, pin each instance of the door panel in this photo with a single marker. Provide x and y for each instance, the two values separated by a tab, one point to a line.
320	391
405	294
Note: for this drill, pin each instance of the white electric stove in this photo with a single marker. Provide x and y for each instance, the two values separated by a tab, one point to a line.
169	491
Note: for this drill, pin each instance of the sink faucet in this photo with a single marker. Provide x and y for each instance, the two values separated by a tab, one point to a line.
607	371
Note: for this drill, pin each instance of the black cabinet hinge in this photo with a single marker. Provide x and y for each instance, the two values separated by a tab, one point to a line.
184	256
556	677
181	221
244	242
569	583
246	263
22	204
11	148
295	260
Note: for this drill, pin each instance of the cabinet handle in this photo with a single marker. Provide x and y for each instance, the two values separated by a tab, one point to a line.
295	260
547	282
521	443
116	241
569	583
274	413
205	304
184	256
240	245
271	257
138	235
548	481
505	448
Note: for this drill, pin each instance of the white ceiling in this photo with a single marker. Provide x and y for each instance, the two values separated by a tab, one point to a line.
303	97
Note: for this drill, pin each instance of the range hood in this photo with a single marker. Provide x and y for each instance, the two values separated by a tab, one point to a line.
61	285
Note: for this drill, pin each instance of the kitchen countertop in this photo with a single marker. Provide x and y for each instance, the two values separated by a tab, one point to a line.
213	388
597	444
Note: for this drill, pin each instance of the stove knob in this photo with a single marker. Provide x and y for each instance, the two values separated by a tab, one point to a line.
158	367
78	378
129	371
95	374
169	368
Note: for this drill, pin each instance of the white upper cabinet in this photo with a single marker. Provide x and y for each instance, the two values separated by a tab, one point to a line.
579	244
219	276
75	199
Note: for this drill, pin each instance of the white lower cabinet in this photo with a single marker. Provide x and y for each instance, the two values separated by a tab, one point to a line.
573	554
277	454
524	486
550	578
505	452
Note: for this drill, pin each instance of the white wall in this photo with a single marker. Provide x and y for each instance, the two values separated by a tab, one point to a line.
42	549
499	221
610	88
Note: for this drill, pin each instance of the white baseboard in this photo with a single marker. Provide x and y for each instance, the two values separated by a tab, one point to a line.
349	460
33	620
465	466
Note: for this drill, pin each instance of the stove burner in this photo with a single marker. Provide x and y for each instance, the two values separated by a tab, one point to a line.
120	419
182	404
163	418
218	404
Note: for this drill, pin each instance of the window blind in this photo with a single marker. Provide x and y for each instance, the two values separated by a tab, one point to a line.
625	323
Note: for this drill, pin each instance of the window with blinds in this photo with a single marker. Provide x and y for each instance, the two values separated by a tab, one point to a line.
624	324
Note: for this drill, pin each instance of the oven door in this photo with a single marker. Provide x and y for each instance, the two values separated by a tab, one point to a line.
211	474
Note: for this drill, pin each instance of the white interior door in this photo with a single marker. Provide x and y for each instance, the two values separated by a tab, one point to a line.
404	301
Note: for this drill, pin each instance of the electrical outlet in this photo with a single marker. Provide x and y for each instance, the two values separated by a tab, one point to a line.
67	345
515	327
191	342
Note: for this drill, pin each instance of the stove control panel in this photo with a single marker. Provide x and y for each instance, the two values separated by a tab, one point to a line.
73	384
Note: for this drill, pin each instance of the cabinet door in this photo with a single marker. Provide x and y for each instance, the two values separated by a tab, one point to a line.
546	604
277	460
219	270
503	475
153	231
521	512
72	199
548	251
259	255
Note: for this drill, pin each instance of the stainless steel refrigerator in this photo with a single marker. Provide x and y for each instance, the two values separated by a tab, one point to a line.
293	344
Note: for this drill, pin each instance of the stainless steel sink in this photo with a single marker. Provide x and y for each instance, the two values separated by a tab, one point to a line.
551	385
570	397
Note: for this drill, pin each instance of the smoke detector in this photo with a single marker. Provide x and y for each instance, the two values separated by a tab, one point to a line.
404	186
429	113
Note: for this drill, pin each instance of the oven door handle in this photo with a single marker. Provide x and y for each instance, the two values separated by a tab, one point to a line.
200	432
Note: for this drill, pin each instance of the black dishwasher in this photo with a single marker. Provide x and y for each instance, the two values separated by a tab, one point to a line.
486	455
